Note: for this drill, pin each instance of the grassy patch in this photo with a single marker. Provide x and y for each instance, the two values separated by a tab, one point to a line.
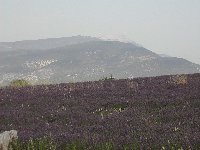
49	144
34	144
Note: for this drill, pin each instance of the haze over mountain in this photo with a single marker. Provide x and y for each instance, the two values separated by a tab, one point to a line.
81	58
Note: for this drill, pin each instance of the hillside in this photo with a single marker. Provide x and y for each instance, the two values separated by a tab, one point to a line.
77	59
149	111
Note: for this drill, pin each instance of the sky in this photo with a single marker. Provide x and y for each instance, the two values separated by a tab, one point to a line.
169	27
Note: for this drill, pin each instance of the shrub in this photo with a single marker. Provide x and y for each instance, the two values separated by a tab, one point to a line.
179	79
19	83
107	78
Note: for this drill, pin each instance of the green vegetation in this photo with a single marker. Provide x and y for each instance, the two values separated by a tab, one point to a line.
120	107
48	143
19	83
37	144
107	78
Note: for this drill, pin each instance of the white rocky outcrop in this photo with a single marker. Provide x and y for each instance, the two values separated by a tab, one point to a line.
6	138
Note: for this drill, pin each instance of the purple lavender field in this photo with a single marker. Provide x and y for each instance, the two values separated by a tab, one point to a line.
149	111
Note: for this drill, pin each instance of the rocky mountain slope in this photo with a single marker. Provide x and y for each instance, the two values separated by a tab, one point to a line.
84	58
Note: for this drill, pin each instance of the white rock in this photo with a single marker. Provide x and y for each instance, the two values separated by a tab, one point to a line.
6	138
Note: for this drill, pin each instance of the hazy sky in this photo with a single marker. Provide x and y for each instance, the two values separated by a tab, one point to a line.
163	26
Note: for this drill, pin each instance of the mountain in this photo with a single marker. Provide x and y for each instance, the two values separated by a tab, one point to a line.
45	43
85	59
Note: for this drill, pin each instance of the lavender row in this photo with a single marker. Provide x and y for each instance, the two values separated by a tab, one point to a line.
149	111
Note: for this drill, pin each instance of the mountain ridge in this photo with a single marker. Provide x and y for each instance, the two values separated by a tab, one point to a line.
85	59
46	43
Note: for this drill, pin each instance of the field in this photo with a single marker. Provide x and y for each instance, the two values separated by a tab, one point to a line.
151	113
